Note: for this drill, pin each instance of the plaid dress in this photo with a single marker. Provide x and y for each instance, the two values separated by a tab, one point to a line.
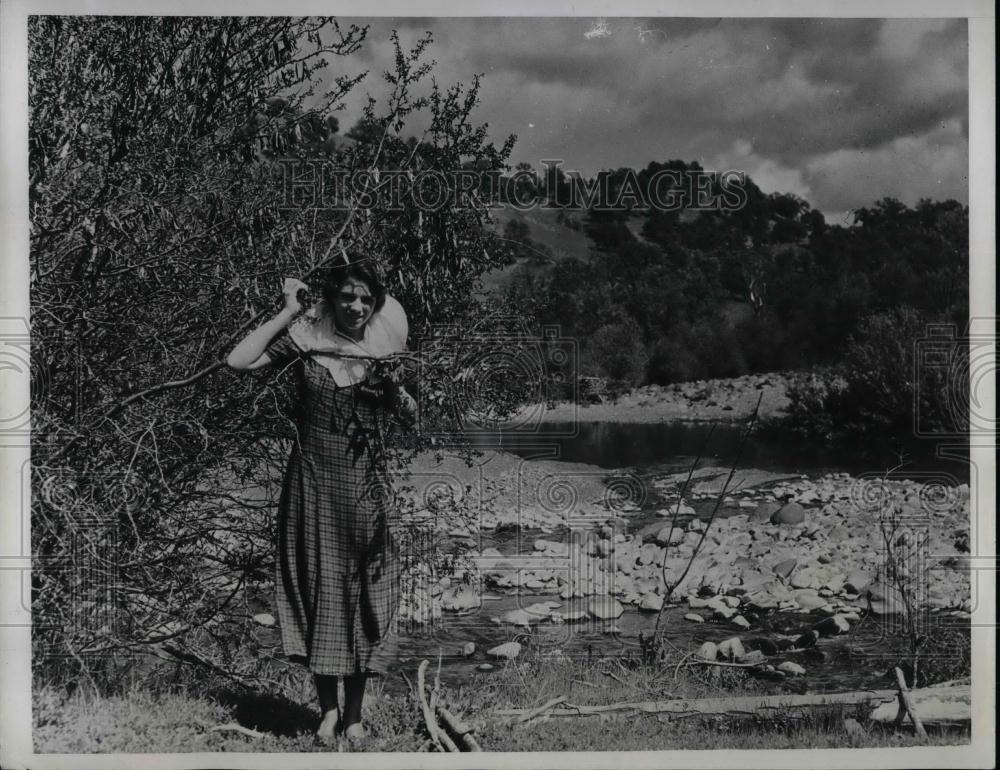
338	572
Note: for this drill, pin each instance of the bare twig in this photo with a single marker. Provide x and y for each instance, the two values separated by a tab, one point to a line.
536	712
429	722
905	704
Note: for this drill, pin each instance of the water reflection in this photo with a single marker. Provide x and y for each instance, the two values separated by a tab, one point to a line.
669	445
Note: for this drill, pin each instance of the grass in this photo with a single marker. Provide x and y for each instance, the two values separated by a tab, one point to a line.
179	717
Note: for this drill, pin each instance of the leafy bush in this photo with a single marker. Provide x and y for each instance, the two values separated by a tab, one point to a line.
874	391
616	351
161	230
673	360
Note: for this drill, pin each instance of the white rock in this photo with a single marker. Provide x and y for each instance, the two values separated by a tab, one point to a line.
732	648
264	619
741	622
460	598
694	617
605	608
708	651
793	669
508	650
518	617
541	609
668	536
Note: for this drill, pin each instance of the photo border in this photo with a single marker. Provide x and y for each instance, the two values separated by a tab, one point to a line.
15	676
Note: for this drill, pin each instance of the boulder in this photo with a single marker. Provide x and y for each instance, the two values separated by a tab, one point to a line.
838	534
469	649
540	610
808	599
885	599
490	553
765	645
723	613
764	512
708	651
732	648
784	568
605	608
808	639
648	533
753	656
741	622
518	617
804	578
666	536
508	650
790	513
856	582
753	582
790	668
264	619
651	553
832	626
460	598
651	602
694	617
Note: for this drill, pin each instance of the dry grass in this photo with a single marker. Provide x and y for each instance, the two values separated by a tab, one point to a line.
181	718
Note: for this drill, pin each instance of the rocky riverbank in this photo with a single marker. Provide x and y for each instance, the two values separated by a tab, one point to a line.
780	544
703	400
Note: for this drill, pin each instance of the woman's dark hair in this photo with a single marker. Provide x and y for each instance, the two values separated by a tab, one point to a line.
336	277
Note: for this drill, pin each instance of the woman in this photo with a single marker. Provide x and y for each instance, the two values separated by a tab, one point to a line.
338	558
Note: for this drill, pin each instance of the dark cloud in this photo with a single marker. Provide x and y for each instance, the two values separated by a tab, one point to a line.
797	100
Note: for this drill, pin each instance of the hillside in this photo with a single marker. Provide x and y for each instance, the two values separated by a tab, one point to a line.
564	242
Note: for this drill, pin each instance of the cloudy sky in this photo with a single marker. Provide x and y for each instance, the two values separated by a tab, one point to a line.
839	111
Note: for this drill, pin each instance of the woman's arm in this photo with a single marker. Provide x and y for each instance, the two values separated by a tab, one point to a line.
249	353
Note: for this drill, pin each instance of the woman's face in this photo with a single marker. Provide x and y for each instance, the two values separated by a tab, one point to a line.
353	305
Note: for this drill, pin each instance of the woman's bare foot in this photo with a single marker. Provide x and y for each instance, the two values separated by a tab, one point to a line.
355	733
327	730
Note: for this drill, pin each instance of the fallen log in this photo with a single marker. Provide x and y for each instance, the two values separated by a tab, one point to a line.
937	705
752	705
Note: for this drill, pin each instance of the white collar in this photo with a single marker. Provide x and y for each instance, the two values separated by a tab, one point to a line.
385	334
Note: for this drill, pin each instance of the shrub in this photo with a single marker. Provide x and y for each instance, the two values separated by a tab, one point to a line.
617	351
873	390
673	360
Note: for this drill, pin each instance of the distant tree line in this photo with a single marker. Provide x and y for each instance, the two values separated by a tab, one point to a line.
679	295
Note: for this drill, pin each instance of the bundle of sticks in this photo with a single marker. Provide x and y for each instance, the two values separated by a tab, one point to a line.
451	733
